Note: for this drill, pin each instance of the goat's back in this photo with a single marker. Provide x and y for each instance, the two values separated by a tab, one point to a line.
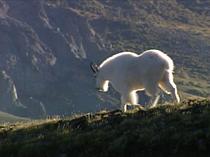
132	69
157	58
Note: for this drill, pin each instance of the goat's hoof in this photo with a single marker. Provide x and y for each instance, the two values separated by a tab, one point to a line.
141	108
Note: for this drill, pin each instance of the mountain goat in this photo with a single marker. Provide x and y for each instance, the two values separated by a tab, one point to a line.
129	72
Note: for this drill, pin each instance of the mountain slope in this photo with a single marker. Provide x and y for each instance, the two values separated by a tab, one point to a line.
179	130
46	55
5	118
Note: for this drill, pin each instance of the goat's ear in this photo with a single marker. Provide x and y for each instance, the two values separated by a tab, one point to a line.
94	67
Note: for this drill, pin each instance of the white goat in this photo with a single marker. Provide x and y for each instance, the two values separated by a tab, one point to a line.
129	72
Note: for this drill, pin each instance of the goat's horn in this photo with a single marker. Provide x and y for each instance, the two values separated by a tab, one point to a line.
94	67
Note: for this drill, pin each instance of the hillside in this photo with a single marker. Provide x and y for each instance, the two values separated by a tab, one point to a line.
9	118
46	47
170	130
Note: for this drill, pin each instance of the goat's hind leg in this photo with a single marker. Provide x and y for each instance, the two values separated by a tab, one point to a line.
168	85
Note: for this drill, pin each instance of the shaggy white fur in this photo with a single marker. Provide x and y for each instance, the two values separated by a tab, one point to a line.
129	72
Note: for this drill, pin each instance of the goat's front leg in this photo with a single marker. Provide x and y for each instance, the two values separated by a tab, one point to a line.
138	106
153	102
125	107
124	104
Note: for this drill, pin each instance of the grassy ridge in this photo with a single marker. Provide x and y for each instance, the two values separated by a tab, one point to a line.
6	117
177	130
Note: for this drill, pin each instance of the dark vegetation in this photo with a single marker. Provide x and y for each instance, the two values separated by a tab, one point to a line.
169	130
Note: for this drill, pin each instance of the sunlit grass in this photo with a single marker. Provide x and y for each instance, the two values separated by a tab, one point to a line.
114	133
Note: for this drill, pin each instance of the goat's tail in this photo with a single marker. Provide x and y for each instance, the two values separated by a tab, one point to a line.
168	63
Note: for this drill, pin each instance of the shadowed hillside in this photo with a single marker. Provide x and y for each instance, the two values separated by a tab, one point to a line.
170	130
46	47
8	118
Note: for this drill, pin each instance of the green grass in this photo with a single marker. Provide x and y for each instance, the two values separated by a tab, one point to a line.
169	130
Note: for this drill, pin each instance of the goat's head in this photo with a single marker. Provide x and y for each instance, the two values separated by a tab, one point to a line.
101	83
94	68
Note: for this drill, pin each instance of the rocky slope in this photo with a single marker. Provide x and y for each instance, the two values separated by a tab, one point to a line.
46	47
